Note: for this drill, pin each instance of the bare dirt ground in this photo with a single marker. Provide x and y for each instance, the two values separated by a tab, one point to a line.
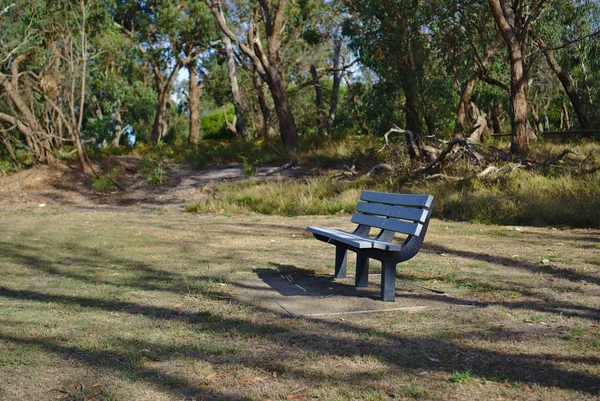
64	188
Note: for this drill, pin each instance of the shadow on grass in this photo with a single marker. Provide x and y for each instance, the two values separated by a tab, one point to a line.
518	264
400	353
403	353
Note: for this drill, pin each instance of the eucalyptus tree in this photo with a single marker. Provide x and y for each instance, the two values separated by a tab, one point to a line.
392	39
260	37
171	35
514	21
465	36
45	72
20	36
560	37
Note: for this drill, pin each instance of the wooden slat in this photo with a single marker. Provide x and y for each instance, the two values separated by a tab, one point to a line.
387	246
343	236
354	240
388	224
398	212
397	199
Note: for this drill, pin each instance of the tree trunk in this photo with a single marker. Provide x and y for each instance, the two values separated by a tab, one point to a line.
565	113
81	156
194	105
262	101
164	91
480	125
118	128
287	124
335	89
240	124
321	118
565	80
413	122
465	98
518	75
538	125
10	149
496	124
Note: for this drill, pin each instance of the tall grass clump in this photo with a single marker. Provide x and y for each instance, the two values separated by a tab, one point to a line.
523	197
318	196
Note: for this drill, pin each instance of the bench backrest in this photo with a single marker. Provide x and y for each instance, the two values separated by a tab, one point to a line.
401	213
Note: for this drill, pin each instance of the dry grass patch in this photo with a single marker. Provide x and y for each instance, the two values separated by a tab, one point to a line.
121	306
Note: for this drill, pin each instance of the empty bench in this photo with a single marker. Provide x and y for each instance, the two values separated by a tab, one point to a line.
390	214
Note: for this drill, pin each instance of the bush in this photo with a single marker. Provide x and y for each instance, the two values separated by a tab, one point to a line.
153	170
106	183
562	195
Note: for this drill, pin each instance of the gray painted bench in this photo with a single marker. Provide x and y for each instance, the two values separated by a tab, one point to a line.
391	214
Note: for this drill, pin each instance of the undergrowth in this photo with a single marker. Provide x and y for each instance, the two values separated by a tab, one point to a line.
563	195
282	197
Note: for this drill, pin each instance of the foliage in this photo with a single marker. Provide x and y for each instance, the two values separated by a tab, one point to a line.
154	171
6	167
561	195
286	198
105	183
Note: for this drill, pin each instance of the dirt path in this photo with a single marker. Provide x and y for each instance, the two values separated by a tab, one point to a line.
64	188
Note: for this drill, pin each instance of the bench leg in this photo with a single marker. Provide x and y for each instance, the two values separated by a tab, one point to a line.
362	271
388	281
340	261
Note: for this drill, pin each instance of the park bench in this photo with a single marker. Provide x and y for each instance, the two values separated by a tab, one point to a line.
390	214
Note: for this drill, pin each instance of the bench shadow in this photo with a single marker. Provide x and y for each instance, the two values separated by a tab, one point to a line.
291	281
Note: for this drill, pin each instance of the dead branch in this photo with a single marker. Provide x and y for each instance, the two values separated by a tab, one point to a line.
489	170
449	148
591	170
379	167
230	125
409	135
558	157
444	176
281	168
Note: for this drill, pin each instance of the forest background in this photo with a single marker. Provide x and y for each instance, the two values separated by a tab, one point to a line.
459	99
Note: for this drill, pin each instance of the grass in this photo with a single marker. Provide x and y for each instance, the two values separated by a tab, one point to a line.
561	196
121	306
282	197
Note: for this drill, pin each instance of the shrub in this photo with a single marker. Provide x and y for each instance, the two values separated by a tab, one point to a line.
154	171
106	183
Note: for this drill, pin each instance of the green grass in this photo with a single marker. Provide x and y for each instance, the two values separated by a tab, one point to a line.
283	197
563	196
121	306
461	377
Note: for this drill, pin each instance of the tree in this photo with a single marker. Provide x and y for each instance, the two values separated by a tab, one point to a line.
267	60
514	21
46	84
389	39
170	35
240	119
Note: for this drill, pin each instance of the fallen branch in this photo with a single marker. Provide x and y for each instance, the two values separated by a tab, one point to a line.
382	166
449	147
591	170
409	135
444	176
489	170
351	172
280	169
558	157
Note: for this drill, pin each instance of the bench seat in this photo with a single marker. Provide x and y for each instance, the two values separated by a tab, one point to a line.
354	240
391	214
